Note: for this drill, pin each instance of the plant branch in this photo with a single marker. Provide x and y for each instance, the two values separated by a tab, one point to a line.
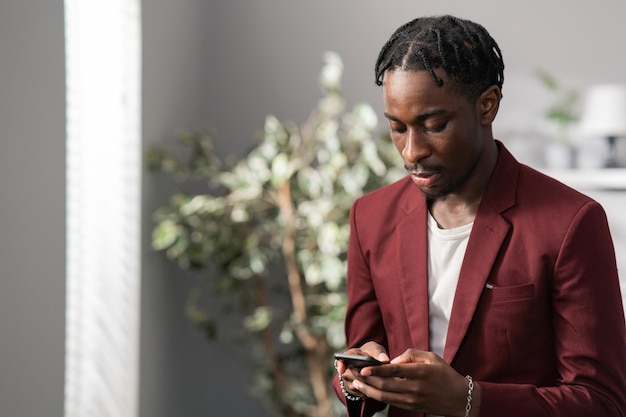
277	374
316	348
291	264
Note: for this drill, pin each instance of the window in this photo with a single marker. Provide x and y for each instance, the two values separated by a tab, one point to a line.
103	207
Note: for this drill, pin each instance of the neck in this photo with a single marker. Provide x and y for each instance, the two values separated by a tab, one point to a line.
460	207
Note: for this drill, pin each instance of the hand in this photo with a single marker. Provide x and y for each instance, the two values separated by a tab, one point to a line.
418	381
348	374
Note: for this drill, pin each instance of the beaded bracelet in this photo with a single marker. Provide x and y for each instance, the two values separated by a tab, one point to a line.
343	388
470	390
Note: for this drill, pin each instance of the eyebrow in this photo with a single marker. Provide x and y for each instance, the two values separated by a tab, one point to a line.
419	117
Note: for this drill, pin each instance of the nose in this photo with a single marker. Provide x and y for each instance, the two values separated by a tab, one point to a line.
414	148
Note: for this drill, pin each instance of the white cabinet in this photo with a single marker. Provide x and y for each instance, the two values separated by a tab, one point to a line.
591	179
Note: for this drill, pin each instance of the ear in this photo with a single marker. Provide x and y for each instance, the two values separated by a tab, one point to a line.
488	104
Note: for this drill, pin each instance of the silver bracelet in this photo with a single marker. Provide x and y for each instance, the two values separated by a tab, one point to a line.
343	388
470	390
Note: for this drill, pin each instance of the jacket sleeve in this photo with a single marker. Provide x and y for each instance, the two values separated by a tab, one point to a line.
589	333
363	320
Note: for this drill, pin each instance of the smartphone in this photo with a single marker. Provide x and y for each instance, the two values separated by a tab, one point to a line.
358	361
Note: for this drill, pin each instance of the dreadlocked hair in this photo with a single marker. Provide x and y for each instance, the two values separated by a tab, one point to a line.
463	49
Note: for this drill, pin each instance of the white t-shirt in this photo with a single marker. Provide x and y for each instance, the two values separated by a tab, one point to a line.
446	249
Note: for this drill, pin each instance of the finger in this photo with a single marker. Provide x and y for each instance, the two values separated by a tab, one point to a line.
382	387
376	351
351	374
400	398
385	371
347	373
348	383
359	386
371	391
400	370
415	356
400	392
340	367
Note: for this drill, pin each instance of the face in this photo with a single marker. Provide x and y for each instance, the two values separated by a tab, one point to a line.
444	139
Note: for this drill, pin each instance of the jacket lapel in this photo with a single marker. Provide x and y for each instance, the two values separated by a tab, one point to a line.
412	256
488	233
486	239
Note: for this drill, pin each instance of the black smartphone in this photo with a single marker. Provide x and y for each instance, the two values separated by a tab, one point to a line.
358	361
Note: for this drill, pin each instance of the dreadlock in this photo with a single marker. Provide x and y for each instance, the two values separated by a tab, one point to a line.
463	49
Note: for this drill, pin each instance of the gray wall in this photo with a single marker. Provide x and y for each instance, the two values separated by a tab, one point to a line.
267	54
226	65
181	374
32	208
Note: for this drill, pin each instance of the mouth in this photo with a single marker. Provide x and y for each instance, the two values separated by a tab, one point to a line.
424	179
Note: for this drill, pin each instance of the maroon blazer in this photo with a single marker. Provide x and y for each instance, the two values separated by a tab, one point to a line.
546	337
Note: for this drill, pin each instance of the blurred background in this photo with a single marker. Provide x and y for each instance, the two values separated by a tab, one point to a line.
227	65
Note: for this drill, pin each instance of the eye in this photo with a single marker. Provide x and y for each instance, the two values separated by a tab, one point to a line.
397	127
435	127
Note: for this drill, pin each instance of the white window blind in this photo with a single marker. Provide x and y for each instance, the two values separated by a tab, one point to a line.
103	207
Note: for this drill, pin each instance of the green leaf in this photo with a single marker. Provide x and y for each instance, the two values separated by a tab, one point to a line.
333	271
366	115
165	234
282	169
259	320
330	77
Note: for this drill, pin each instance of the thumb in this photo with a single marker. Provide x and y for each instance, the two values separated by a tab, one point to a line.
376	351
382	356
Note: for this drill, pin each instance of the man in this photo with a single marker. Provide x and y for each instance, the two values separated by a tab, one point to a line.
492	288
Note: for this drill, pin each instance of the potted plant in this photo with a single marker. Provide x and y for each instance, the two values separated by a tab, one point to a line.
269	231
563	113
